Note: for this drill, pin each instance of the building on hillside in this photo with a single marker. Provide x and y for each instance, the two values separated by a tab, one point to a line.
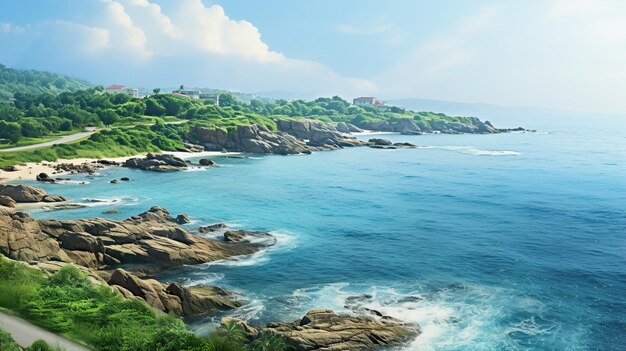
122	89
210	96
367	101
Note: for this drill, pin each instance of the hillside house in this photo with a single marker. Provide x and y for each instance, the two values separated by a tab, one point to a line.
122	89
367	101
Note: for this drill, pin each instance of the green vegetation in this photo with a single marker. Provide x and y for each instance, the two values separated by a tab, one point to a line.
69	304
14	81
159	122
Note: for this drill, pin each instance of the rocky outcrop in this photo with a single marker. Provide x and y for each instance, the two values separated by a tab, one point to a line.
249	236
26	193
254	138
207	162
344	127
403	126
325	330
317	134
292	137
157	162
172	298
150	242
475	126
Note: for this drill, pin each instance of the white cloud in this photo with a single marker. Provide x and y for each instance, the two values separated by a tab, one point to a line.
136	42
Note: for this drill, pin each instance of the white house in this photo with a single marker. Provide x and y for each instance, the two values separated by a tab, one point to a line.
367	101
122	89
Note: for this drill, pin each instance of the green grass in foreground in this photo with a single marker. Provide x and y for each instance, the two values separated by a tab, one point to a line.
67	303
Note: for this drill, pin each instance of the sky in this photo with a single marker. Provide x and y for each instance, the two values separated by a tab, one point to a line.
561	54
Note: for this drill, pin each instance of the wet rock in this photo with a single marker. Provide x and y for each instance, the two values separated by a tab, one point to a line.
249	236
328	331
378	141
182	219
212	228
207	162
44	177
125	179
114	181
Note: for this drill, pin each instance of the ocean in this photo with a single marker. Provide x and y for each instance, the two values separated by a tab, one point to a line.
490	242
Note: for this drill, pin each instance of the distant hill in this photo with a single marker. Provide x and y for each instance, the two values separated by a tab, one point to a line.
36	82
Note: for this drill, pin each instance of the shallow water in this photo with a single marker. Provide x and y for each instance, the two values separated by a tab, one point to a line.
489	242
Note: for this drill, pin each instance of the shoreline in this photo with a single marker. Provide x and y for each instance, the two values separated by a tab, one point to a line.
28	171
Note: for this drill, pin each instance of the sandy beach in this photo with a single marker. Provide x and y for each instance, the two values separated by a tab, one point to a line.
28	171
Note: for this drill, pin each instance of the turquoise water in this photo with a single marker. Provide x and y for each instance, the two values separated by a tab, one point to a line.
490	242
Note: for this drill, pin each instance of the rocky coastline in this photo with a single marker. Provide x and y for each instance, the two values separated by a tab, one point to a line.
126	255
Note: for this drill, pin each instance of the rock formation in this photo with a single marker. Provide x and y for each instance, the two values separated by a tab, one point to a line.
172	297
157	162
26	193
151	241
325	330
292	137
344	127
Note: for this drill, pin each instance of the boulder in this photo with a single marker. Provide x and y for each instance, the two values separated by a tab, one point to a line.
249	236
157	162
44	177
114	181
26	193
182	219
377	141
325	330
7	201
125	179
10	169
207	162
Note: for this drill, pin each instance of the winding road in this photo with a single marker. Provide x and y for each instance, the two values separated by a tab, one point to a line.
25	334
62	140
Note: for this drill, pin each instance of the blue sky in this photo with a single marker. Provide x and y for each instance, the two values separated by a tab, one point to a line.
565	54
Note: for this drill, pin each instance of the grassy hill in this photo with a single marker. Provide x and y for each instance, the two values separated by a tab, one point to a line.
14	81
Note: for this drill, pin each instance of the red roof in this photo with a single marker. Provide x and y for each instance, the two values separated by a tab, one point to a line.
116	87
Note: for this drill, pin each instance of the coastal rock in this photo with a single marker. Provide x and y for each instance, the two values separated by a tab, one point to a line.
207	162
157	162
10	169
292	137
125	179
250	332
44	177
6	201
172	297
254	138
316	133
151	241
25	193
325	330
383	142
249	236
212	228
182	219
344	127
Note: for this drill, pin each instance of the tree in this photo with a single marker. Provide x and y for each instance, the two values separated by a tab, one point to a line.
10	131
108	116
153	108
182	87
156	91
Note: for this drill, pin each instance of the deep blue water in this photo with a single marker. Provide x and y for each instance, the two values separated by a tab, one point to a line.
490	242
